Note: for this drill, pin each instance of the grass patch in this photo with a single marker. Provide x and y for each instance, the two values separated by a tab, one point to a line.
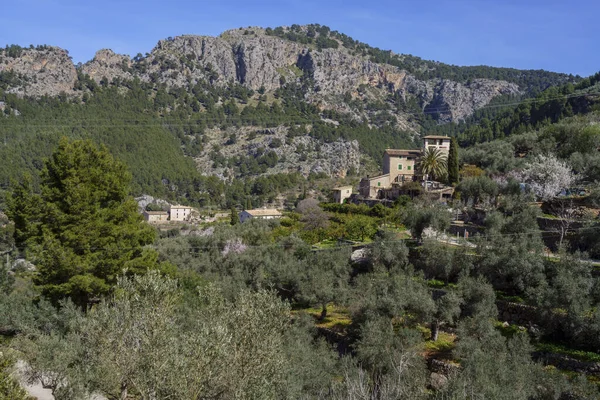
338	318
507	331
513	299
580	355
326	244
441	348
444	344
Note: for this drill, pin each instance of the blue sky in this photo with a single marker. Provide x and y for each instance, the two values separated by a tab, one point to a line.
556	35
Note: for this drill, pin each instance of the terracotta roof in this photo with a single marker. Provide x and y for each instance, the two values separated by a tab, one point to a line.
156	212
436	137
263	212
398	152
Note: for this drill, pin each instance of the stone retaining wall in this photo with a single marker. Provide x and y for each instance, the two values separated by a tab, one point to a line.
441	367
565	362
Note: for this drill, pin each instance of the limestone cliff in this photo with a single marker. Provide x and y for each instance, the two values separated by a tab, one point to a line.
258	61
43	71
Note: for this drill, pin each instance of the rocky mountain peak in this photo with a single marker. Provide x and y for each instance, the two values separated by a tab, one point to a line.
106	63
262	59
44	70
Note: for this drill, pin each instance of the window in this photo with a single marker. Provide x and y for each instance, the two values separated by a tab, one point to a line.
399	167
378	183
408	167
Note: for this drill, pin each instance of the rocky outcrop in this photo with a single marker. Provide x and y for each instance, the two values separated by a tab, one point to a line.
254	61
302	154
106	63
454	101
257	61
43	71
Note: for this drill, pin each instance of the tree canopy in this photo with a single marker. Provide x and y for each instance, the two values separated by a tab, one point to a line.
83	228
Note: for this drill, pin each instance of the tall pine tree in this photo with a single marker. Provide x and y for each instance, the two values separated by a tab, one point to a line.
83	230
453	162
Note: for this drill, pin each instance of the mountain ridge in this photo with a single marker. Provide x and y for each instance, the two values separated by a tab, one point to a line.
265	59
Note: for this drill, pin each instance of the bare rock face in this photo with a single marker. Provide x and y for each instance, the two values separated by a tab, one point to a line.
254	61
107	63
45	71
455	101
338	72
260	61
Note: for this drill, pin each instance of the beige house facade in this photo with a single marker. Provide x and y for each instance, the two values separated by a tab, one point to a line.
259	214
156	216
341	193
400	165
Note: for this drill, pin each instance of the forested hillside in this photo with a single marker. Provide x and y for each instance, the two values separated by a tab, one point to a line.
204	119
514	116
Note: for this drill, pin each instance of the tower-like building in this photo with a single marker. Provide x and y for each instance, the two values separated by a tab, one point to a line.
400	166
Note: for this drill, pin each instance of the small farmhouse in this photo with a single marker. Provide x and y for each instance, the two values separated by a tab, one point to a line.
155	216
259	214
180	213
341	193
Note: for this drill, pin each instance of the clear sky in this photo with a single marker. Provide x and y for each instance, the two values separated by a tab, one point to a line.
556	35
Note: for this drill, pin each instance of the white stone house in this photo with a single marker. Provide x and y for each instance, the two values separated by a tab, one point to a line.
442	143
180	213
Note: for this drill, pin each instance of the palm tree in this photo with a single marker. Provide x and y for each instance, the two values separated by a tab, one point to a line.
433	163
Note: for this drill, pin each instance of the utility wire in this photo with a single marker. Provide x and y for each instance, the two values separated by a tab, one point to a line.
217	246
261	120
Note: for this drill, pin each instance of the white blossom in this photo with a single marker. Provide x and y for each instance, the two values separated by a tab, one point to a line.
234	246
546	176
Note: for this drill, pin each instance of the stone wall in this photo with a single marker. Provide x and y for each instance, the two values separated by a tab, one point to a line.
442	367
519	314
564	362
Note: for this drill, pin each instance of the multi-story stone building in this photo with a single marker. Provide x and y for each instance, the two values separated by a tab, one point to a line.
401	166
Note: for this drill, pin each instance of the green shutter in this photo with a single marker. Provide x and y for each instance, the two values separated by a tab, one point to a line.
408	167
378	183
399	166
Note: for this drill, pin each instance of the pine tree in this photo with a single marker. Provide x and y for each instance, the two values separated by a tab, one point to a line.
453	162
85	229
234	218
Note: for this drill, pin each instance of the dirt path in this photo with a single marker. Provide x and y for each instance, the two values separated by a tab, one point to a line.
34	390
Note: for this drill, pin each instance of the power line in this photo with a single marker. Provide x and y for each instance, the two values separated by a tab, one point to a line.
218	247
261	119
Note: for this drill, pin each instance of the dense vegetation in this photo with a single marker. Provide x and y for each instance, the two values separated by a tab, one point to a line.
280	309
550	106
156	130
228	317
